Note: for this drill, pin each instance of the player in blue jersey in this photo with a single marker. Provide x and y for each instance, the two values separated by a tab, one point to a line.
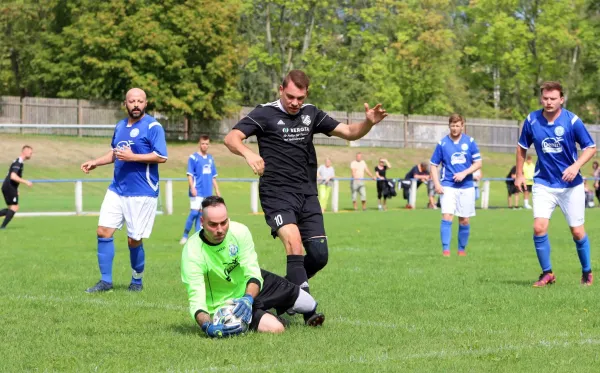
459	157
201	174
138	146
554	132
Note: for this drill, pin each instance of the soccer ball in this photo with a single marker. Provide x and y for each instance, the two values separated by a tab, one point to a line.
225	316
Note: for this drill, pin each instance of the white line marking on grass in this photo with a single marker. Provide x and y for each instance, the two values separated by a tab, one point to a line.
385	358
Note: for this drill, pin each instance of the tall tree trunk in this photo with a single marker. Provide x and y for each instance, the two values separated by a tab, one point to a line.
309	28
572	73
496	77
273	74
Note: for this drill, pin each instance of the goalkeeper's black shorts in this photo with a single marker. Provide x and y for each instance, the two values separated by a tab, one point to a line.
277	292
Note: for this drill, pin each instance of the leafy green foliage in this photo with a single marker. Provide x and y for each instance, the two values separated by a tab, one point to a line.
200	58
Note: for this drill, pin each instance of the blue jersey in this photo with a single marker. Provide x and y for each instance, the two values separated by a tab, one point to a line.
137	178
455	157
203	170
555	146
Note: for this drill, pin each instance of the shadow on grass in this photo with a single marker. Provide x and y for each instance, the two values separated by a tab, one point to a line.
187	329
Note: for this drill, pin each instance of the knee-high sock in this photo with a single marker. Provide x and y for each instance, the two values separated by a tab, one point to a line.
189	222
542	249
3	212
463	236
9	215
106	254
197	220
296	273
446	234
583	251
137	257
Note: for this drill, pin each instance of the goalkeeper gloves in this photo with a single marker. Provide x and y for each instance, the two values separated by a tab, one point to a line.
221	330
243	308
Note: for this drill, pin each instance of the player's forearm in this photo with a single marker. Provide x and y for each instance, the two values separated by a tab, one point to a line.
358	130
202	317
190	181
435	175
521	153
216	187
474	167
149	158
107	158
252	289
586	155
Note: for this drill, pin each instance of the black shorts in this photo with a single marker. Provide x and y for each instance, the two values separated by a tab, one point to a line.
276	292
11	195
282	208
529	188
512	189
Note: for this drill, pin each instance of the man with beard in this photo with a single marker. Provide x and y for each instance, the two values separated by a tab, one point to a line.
138	146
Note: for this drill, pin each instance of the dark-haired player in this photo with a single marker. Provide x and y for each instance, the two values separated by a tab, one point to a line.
10	186
287	166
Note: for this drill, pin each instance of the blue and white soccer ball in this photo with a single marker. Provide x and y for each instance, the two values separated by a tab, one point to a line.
225	316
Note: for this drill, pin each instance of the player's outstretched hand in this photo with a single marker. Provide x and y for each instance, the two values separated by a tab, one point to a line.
570	173
376	114
243	308
256	163
88	166
520	183
221	330
28	183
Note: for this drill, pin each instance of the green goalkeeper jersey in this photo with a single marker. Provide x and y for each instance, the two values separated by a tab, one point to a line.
214	274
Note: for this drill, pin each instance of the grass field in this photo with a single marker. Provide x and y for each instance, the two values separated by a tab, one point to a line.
392	302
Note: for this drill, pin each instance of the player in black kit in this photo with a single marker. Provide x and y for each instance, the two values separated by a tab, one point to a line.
10	186
287	166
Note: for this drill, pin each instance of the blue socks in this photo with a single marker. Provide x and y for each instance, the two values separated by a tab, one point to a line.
583	251
194	216
446	234
463	236
137	258
542	249
106	254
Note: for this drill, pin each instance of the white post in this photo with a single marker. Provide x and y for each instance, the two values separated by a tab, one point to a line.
78	197
412	196
169	197
485	195
254	197
335	196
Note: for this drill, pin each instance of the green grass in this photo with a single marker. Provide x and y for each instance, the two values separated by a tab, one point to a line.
393	303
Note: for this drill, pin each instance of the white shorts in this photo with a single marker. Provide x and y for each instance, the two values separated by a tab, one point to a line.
196	203
459	202
570	200
137	212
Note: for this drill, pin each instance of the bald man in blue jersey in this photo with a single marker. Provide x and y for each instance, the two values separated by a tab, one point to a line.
555	133
138	146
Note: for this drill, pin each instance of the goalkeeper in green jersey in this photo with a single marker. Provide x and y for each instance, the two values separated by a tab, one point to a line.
219	264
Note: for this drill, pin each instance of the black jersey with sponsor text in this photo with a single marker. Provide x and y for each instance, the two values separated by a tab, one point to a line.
16	167
285	142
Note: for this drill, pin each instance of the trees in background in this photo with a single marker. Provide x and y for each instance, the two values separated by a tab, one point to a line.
201	58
